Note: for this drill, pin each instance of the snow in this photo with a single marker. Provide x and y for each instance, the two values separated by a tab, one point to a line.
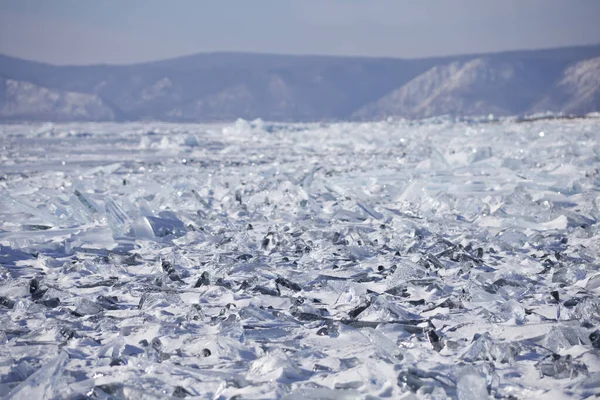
432	259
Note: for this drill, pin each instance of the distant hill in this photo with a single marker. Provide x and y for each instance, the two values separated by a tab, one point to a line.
21	100
226	86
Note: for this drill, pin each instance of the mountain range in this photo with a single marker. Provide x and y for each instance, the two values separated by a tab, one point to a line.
227	86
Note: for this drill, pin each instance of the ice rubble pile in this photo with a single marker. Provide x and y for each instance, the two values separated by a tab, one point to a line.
256	260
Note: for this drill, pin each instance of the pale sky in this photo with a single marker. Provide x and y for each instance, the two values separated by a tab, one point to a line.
127	31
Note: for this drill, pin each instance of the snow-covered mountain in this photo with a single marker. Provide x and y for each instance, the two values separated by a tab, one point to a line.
226	86
578	91
21	100
475	87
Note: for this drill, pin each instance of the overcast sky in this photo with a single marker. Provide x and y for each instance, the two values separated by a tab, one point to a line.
126	31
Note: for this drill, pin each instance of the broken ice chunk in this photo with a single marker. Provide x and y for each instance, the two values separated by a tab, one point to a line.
87	203
505	352
321	393
87	307
232	327
44	383
180	392
356	311
588	310
275	366
6	302
593	283
370	210
166	224
405	271
158	300
485	348
118	220
155	352
480	348
383	310
509	310
204	280
108	302
288	284
24	369
568	274
266	290
410	380
560	367
480	154
169	269
435	340
471	385
113	348
563	337
35	289
595	339
417	380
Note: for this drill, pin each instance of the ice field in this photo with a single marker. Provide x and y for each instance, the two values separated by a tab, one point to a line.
432	259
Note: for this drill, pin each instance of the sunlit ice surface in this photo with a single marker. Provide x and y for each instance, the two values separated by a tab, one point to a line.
435	259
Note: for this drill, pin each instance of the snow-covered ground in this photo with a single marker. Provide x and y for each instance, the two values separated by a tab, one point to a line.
303	261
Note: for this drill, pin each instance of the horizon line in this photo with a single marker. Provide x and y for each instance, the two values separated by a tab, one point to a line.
296	55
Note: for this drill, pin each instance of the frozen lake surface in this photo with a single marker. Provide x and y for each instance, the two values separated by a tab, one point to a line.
432	259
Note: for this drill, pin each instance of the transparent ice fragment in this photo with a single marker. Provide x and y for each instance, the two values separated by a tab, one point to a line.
563	337
419	381
386	346
480	154
505	352
471	385
590	385
410	380
588	310
510	310
349	216
321	394
88	204
435	340
561	367
568	274
595	339
351	297
6	302
513	239
330	329
158	300
472	208
44	383
204	280
154	351
23	369
232	327
485	348
88	307
166	224
118	220
108	302
405	272
511	288
370	210
383	310
480	348
113	348
593	282
170	271
275	366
